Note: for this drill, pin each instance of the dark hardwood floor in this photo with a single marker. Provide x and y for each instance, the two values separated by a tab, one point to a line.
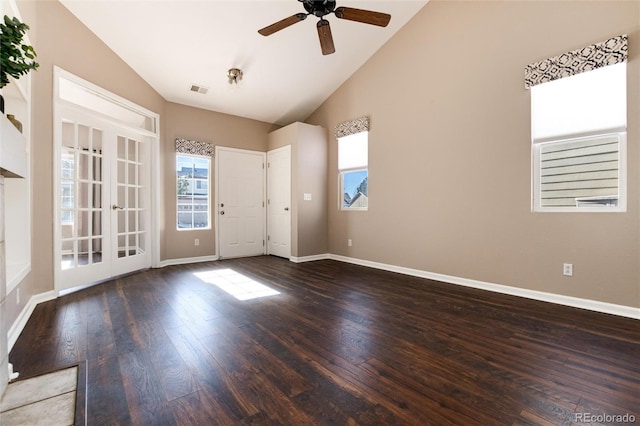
340	344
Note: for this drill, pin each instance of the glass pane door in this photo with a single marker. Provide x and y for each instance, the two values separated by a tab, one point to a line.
131	229
102	146
102	201
81	195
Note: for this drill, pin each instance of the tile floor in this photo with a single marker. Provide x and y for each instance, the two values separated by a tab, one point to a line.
43	400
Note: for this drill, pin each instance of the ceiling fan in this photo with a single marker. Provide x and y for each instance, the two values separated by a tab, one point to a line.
321	8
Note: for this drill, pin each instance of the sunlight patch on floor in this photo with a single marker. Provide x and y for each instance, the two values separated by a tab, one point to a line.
236	284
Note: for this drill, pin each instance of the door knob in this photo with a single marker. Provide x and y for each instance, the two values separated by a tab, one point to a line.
116	207
222	212
286	209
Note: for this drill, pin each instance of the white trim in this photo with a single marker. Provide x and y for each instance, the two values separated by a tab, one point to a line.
592	305
59	73
580	135
18	325
107	119
187	260
311	258
157	198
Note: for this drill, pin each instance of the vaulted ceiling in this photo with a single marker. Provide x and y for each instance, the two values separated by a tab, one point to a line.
174	44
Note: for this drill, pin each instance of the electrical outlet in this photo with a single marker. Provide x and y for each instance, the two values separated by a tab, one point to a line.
196	242
567	269
349	242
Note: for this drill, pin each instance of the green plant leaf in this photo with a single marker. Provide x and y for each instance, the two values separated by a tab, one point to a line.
16	58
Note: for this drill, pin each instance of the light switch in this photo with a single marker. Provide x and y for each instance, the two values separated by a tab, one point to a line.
307	196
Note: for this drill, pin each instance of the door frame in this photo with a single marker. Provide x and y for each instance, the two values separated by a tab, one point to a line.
216	210
61	76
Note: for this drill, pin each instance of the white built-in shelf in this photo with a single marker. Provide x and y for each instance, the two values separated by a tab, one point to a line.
13	150
15	163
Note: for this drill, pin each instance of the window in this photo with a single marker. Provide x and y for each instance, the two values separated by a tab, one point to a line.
580	172
578	126
193	201
354	174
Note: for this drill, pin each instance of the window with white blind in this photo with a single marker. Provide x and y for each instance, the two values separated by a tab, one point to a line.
580	172
578	127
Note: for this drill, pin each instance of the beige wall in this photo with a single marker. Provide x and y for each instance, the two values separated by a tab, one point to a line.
308	175
450	153
449	149
312	178
60	39
207	126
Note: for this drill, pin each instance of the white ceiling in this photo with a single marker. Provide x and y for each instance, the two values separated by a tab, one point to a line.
173	44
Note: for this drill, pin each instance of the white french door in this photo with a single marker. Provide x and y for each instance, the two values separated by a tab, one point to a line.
102	199
279	202
240	202
130	200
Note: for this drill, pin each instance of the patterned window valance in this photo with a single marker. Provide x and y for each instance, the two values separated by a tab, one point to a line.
609	52
352	127
186	146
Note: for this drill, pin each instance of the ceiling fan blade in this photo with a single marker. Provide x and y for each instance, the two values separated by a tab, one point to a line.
365	16
280	25
326	39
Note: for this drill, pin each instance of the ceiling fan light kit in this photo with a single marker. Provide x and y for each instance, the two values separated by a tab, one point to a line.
321	8
234	75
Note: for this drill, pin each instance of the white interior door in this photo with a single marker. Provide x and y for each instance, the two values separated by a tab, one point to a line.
279	202
240	202
101	200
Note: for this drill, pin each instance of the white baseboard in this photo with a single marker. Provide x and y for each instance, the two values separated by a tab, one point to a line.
592	305
312	258
25	314
186	260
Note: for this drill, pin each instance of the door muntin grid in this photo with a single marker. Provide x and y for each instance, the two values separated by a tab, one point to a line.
130	225
81	192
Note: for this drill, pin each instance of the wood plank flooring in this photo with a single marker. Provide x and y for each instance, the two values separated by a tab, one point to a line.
341	344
